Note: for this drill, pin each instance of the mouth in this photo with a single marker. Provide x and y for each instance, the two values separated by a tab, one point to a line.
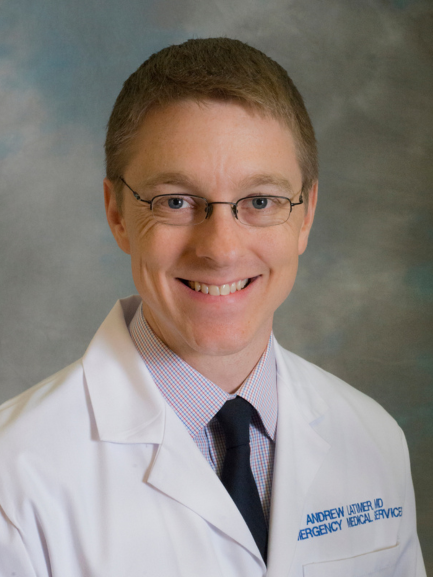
218	290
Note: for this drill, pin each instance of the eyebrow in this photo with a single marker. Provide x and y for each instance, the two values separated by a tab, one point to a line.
255	180
268	180
175	178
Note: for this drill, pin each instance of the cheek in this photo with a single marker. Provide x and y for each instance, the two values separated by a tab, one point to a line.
141	227
155	248
282	260
141	234
282	250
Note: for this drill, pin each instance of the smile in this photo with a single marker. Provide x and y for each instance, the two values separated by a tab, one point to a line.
217	290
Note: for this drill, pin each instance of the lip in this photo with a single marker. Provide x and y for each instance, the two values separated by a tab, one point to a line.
215	282
226	299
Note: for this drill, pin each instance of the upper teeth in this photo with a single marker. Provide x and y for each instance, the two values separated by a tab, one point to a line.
215	290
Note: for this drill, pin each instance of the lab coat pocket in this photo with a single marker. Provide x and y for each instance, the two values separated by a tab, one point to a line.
378	564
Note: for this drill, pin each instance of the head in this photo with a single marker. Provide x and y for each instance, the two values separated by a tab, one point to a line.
220	120
218	69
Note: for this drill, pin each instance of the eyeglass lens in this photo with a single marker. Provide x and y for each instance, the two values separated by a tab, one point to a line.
190	210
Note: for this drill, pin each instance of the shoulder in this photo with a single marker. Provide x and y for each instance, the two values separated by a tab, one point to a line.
59	405
35	415
363	437
341	400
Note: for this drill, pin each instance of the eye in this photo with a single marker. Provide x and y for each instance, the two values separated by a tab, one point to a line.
260	202
176	202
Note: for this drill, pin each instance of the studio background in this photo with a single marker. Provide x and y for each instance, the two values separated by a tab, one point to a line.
362	305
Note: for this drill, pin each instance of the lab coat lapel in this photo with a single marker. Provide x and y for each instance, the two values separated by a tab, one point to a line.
181	472
299	453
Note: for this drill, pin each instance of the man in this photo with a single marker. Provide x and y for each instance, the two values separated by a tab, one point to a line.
187	441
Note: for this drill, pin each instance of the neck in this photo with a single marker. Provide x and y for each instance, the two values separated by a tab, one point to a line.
226	369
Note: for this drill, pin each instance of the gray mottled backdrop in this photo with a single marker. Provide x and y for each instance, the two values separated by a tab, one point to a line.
362	307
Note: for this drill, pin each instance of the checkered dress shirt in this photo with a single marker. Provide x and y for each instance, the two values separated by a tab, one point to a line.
196	401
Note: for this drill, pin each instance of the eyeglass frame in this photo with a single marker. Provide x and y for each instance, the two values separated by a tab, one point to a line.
208	207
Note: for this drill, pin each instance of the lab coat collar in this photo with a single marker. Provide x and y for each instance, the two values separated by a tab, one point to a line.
127	406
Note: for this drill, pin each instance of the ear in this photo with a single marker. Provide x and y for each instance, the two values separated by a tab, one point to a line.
308	219
115	217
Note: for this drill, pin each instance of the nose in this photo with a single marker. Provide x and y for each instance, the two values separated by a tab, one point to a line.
220	238
210	206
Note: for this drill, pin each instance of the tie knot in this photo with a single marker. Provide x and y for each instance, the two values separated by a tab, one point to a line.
235	418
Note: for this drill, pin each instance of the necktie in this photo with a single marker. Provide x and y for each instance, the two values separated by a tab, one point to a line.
237	477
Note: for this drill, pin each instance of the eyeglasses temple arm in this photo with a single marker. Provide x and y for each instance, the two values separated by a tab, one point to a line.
137	196
301	201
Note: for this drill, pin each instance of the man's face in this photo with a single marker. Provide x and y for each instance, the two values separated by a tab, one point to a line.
222	152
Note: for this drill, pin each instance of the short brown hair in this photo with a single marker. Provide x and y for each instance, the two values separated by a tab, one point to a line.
209	69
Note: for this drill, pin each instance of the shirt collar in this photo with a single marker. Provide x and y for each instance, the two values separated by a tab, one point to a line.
181	385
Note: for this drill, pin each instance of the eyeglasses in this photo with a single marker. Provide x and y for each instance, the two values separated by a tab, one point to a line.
189	210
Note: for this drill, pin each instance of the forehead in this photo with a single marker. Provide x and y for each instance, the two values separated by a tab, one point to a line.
212	140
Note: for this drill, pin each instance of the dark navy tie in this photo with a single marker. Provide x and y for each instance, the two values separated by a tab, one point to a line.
237	477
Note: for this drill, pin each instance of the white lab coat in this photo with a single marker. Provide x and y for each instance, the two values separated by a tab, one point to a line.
99	478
